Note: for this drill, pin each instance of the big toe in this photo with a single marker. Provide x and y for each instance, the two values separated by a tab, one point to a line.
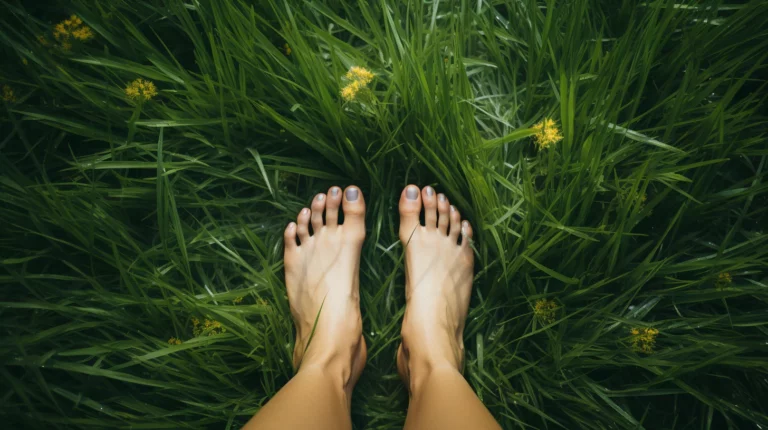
353	205
410	207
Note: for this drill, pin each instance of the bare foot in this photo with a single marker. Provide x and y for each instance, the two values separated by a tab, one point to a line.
438	283
321	275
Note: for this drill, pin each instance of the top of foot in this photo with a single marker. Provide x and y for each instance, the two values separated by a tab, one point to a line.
438	280
322	261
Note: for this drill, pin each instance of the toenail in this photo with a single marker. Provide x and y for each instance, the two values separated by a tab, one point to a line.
412	193
441	197
352	194
305	211
334	191
430	191
453	208
465	224
320	197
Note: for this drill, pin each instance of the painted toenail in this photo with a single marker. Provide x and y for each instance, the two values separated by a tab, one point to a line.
352	194
412	193
430	191
441	197
334	191
320	197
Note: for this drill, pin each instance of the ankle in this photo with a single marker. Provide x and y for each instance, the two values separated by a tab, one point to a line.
340	362
420	372
423	359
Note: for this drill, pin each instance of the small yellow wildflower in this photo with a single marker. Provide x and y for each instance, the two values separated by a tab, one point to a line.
211	327
286	49
723	280
359	74
545	310
349	92
72	28
547	134
42	40
83	33
238	300
141	90
359	78
644	340
174	341
8	94
24	61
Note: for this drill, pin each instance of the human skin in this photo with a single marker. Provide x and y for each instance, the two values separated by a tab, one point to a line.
321	276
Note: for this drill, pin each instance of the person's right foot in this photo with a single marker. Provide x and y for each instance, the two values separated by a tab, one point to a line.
438	283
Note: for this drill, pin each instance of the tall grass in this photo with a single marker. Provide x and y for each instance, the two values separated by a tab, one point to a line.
124	221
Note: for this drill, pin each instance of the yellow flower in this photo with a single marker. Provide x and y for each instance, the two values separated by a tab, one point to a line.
547	134
24	61
72	28
643	340
359	78
42	40
83	33
141	90
174	341
359	74
237	300
349	92
211	327
286	49
723	280
8	94
545	310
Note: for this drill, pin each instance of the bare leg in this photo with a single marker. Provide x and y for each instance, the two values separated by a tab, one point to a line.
322	272
438	283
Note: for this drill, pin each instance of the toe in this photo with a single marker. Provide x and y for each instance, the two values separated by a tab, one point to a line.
466	234
354	211
333	201
318	206
443	213
455	229
302	225
410	207
430	207
289	237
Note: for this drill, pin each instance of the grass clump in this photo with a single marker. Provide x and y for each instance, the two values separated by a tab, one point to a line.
125	219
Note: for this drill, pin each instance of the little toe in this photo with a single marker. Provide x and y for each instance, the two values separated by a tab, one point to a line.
430	207
333	201
455	229
443	214
302	225
354	211
289	237
410	207
318	206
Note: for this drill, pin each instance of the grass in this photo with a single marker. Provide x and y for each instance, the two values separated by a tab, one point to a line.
124	221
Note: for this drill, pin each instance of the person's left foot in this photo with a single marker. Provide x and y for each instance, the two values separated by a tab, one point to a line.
321	275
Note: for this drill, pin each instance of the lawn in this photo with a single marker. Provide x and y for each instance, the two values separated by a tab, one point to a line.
611	155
